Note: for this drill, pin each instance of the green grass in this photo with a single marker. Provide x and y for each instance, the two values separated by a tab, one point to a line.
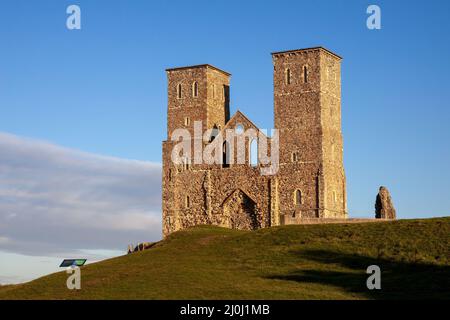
289	262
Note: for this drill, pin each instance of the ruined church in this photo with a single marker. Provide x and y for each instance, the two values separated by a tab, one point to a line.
310	180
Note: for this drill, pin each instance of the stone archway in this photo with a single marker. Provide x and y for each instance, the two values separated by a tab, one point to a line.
240	211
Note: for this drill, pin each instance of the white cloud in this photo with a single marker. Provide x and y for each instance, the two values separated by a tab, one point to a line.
55	200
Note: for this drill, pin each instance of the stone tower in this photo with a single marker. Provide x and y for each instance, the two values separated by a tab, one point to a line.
195	93
307	112
309	180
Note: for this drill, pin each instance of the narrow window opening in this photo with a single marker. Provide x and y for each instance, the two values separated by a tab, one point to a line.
179	91
187	202
195	89
214	133
288	76
305	74
185	164
226	155
297	197
253	157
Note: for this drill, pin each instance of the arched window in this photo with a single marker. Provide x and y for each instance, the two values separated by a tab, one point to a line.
305	74
226	155
298	197
187	202
288	76
294	156
195	89
179	91
253	156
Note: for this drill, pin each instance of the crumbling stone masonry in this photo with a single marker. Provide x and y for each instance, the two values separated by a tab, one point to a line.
310	182
384	208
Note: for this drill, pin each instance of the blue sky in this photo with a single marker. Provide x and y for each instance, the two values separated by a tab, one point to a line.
102	89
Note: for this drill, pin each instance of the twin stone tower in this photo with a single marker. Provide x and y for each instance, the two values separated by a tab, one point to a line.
309	183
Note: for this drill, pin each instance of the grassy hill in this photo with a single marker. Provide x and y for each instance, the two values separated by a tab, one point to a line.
289	262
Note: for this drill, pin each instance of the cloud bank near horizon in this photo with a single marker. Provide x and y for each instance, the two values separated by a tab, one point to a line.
56	201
